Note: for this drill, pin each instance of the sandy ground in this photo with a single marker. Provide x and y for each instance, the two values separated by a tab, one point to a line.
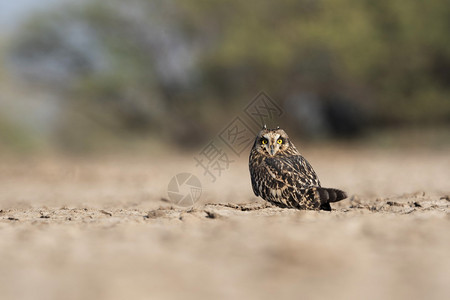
103	229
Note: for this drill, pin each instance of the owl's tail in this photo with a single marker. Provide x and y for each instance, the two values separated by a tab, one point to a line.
327	196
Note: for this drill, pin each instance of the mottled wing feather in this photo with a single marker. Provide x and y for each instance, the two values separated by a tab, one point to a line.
294	170
254	177
286	181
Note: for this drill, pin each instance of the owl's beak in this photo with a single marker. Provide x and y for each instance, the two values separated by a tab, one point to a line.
272	150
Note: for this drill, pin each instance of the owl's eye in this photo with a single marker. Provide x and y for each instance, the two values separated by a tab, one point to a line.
280	141
263	141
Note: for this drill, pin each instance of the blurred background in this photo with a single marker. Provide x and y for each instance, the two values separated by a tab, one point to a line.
103	75
103	102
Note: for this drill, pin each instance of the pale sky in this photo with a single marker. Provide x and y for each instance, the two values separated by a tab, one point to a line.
13	12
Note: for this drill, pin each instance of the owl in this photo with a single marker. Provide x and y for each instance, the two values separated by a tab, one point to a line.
281	176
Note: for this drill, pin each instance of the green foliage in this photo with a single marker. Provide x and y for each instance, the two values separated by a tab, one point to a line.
392	57
393	54
15	138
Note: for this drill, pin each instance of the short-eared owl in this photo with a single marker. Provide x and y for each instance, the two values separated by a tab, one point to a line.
283	177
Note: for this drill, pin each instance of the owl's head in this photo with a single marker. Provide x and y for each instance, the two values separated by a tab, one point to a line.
272	141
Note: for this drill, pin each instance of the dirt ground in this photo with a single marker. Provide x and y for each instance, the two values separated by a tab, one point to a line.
103	229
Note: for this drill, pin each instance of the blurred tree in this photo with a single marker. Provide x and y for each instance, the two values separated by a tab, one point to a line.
177	68
391	56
